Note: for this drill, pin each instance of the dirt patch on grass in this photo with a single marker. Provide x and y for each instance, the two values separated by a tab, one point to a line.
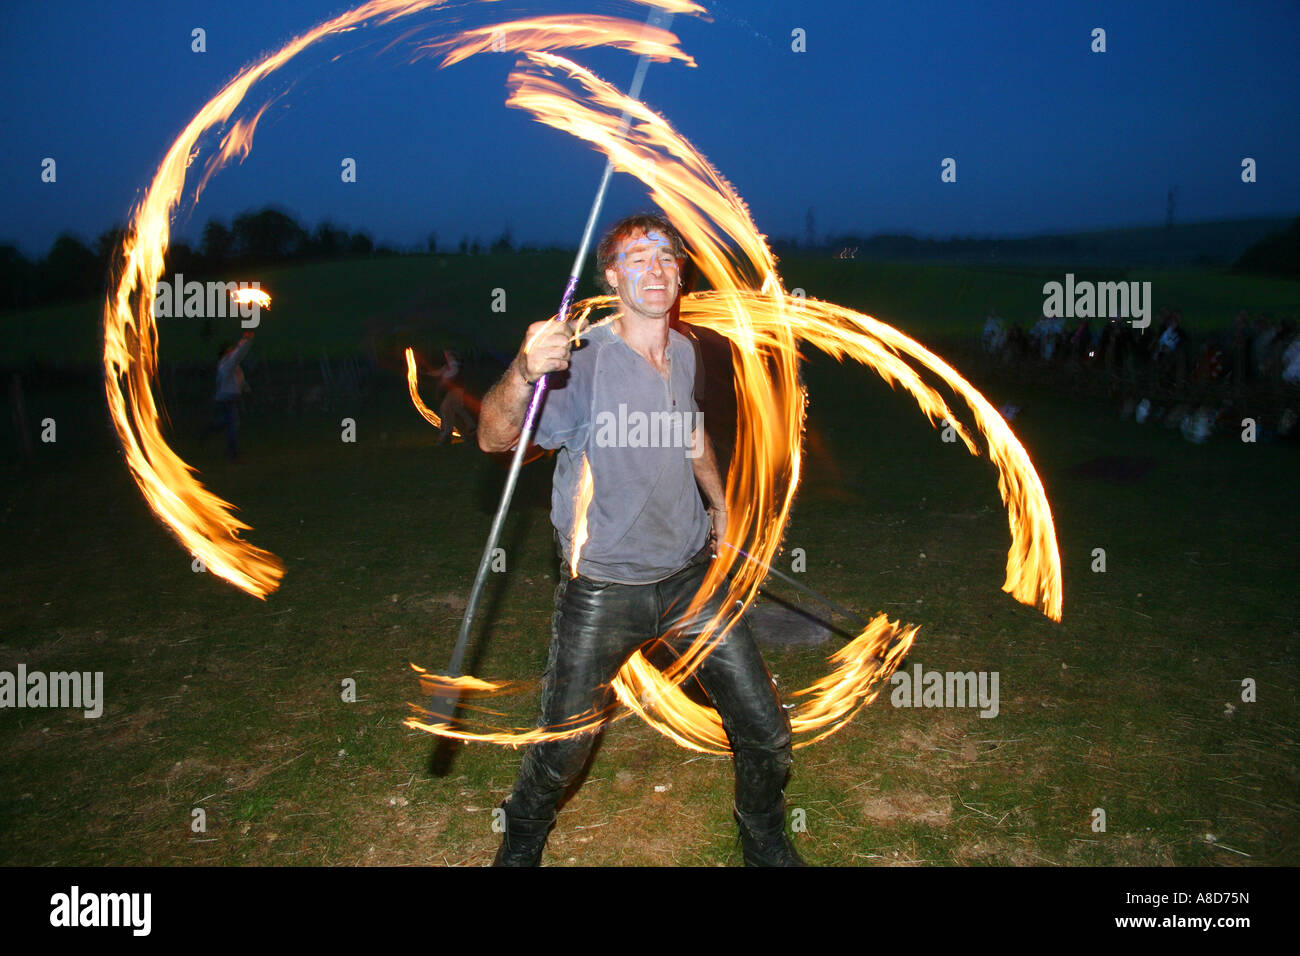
130	729
908	806
403	832
185	772
445	599
1122	849
999	851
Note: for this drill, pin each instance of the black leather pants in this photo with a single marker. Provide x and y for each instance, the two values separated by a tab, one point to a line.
596	628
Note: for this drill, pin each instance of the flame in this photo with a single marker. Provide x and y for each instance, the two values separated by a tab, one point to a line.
1033	571
581	502
545	33
257	296
413	387
863	664
466	685
203	521
748	305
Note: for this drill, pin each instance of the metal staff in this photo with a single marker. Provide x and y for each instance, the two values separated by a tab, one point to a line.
442	705
857	619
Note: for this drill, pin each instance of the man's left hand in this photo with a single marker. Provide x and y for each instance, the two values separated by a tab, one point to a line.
719	518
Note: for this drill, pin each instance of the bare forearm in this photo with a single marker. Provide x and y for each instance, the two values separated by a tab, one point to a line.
501	418
710	482
706	472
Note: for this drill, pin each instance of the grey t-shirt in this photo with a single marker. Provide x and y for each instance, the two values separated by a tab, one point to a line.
645	519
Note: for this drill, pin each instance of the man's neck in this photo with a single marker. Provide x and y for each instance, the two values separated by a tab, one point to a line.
646	336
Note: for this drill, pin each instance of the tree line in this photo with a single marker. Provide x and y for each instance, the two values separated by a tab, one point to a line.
74	270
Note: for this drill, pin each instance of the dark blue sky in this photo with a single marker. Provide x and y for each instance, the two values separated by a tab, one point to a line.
1047	135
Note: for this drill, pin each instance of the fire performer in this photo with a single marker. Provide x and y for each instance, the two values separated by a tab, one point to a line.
230	389
451	390
648	541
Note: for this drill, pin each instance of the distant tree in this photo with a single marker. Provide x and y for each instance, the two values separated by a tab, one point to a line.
69	271
360	245
504	242
107	246
475	248
181	257
464	245
1277	254
17	278
432	242
218	245
328	241
267	236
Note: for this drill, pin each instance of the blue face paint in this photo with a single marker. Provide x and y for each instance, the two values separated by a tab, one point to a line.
651	248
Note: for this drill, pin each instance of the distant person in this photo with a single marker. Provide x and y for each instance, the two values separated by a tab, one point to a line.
452	408
1121	355
1212	363
1171	337
1017	345
994	336
1083	343
1262	348
1169	368
1291	362
1046	334
230	388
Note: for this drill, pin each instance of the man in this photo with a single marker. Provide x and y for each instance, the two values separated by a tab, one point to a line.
648	542
230	387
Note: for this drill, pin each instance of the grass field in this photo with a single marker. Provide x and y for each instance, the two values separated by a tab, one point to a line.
216	701
343	308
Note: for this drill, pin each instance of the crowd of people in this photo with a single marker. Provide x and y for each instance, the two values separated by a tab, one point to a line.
1202	383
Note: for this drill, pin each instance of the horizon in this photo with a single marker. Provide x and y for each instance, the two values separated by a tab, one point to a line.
1050	138
194	239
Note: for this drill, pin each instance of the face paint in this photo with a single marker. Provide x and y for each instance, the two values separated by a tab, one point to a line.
635	264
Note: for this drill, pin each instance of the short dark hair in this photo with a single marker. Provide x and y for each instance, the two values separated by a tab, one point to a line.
643	222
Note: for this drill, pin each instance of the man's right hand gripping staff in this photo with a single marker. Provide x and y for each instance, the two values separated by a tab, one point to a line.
545	349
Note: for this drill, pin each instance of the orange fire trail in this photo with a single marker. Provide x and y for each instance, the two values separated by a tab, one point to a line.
412	386
581	502
204	522
564	32
748	305
467	684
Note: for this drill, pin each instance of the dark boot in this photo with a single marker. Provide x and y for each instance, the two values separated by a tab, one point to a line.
763	839
523	841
